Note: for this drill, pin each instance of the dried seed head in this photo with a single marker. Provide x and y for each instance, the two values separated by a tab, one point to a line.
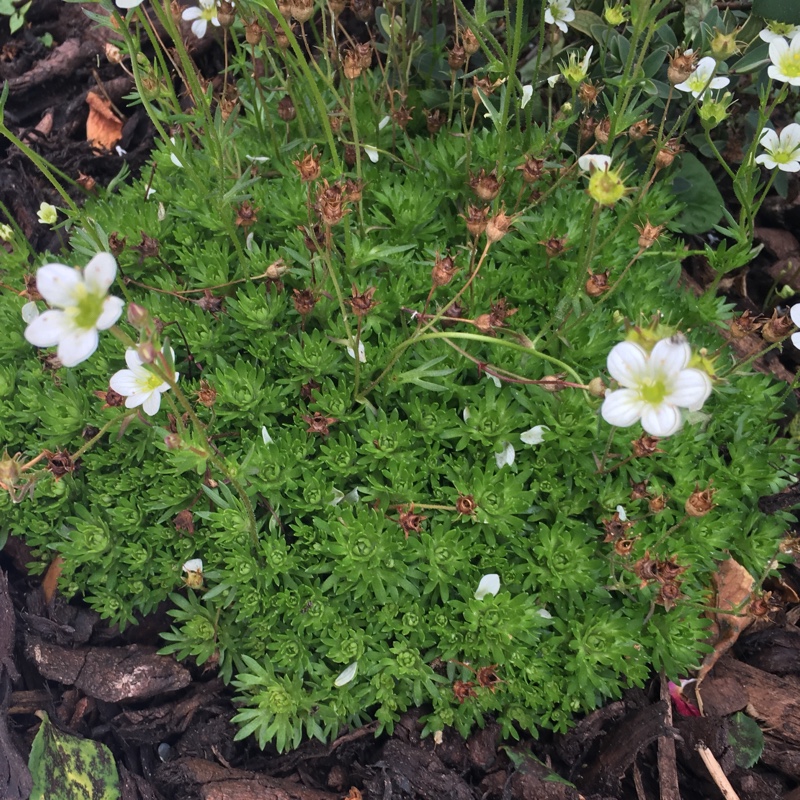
302	10
276	269
147	248
184	521
470	42
646	569
744	325
330	203
639	491
596	387
281	38
351	65
443	271
616	528
353	190
226	14
597	284
409	521
700	502
350	155
657	504
335	121
476	219
586	128
777	327
464	690
554	246
669	569
648	234
483	323
498	226
500	313
286	110
402	116
486	187
466	505
363	9
112	399
452	315
602	130
285	8
645	446
313	239
337	6
319	424
484	85
666	155
624	547
31	292
113	53
532	169
116	244
246	215
9	471
206	394
588	93
253	33
363	52
61	463
669	594
681	66
362	304
304	301
639	130
456	57
434	119
308	166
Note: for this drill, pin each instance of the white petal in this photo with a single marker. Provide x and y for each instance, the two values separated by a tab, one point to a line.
362	354
623	517
796	340
352	496
77	346
594	161
690	389
372	153
767	160
534	435
266	437
790	136
100	273
127	3
57	283
257	159
132	359
30	311
346	675
384	122
544	613
199	27
338	496
661	420
626	363
622	408
769	139
112	309
152	403
794	313
527	94
124	382
552	81
506	456
466	414
670	356
193	565
191	13
490	584
47	329
494	379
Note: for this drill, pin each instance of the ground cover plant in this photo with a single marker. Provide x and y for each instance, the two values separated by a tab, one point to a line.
381	370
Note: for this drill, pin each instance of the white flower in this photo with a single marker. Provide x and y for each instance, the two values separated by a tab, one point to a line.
372	153
553	80
127	3
193	565
794	313
265	435
778	30
592	162
576	71
505	456
656	385
82	307
701	79
362	355
559	13
138	385
490	584
534	435
527	94
201	15
47	214
782	150
346	675
6	233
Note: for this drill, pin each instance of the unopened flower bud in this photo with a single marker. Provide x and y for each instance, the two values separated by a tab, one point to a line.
302	10
138	316
113	53
173	441
226	13
724	45
470	42
147	352
699	503
597	388
443	271
253	33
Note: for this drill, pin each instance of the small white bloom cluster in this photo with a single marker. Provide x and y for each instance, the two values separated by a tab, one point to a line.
80	307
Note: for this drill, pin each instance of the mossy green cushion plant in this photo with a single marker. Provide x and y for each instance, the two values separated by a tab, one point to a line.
352	423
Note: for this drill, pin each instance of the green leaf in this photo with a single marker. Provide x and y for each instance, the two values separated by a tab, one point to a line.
779	10
71	768
588	23
753	59
693	185
746	739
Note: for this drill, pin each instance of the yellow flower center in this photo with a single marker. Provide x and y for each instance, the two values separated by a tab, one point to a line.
87	309
789	65
653	391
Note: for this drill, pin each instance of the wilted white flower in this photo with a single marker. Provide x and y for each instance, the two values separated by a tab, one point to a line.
701	80
346	675
559	13
781	150
490	584
785	58
655	386
139	385
200	16
194	573
534	435
506	456
82	307
193	565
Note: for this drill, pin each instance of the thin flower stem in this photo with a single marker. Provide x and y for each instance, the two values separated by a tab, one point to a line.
88	445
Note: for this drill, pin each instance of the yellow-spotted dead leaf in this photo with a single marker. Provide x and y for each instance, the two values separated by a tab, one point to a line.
734	585
103	126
